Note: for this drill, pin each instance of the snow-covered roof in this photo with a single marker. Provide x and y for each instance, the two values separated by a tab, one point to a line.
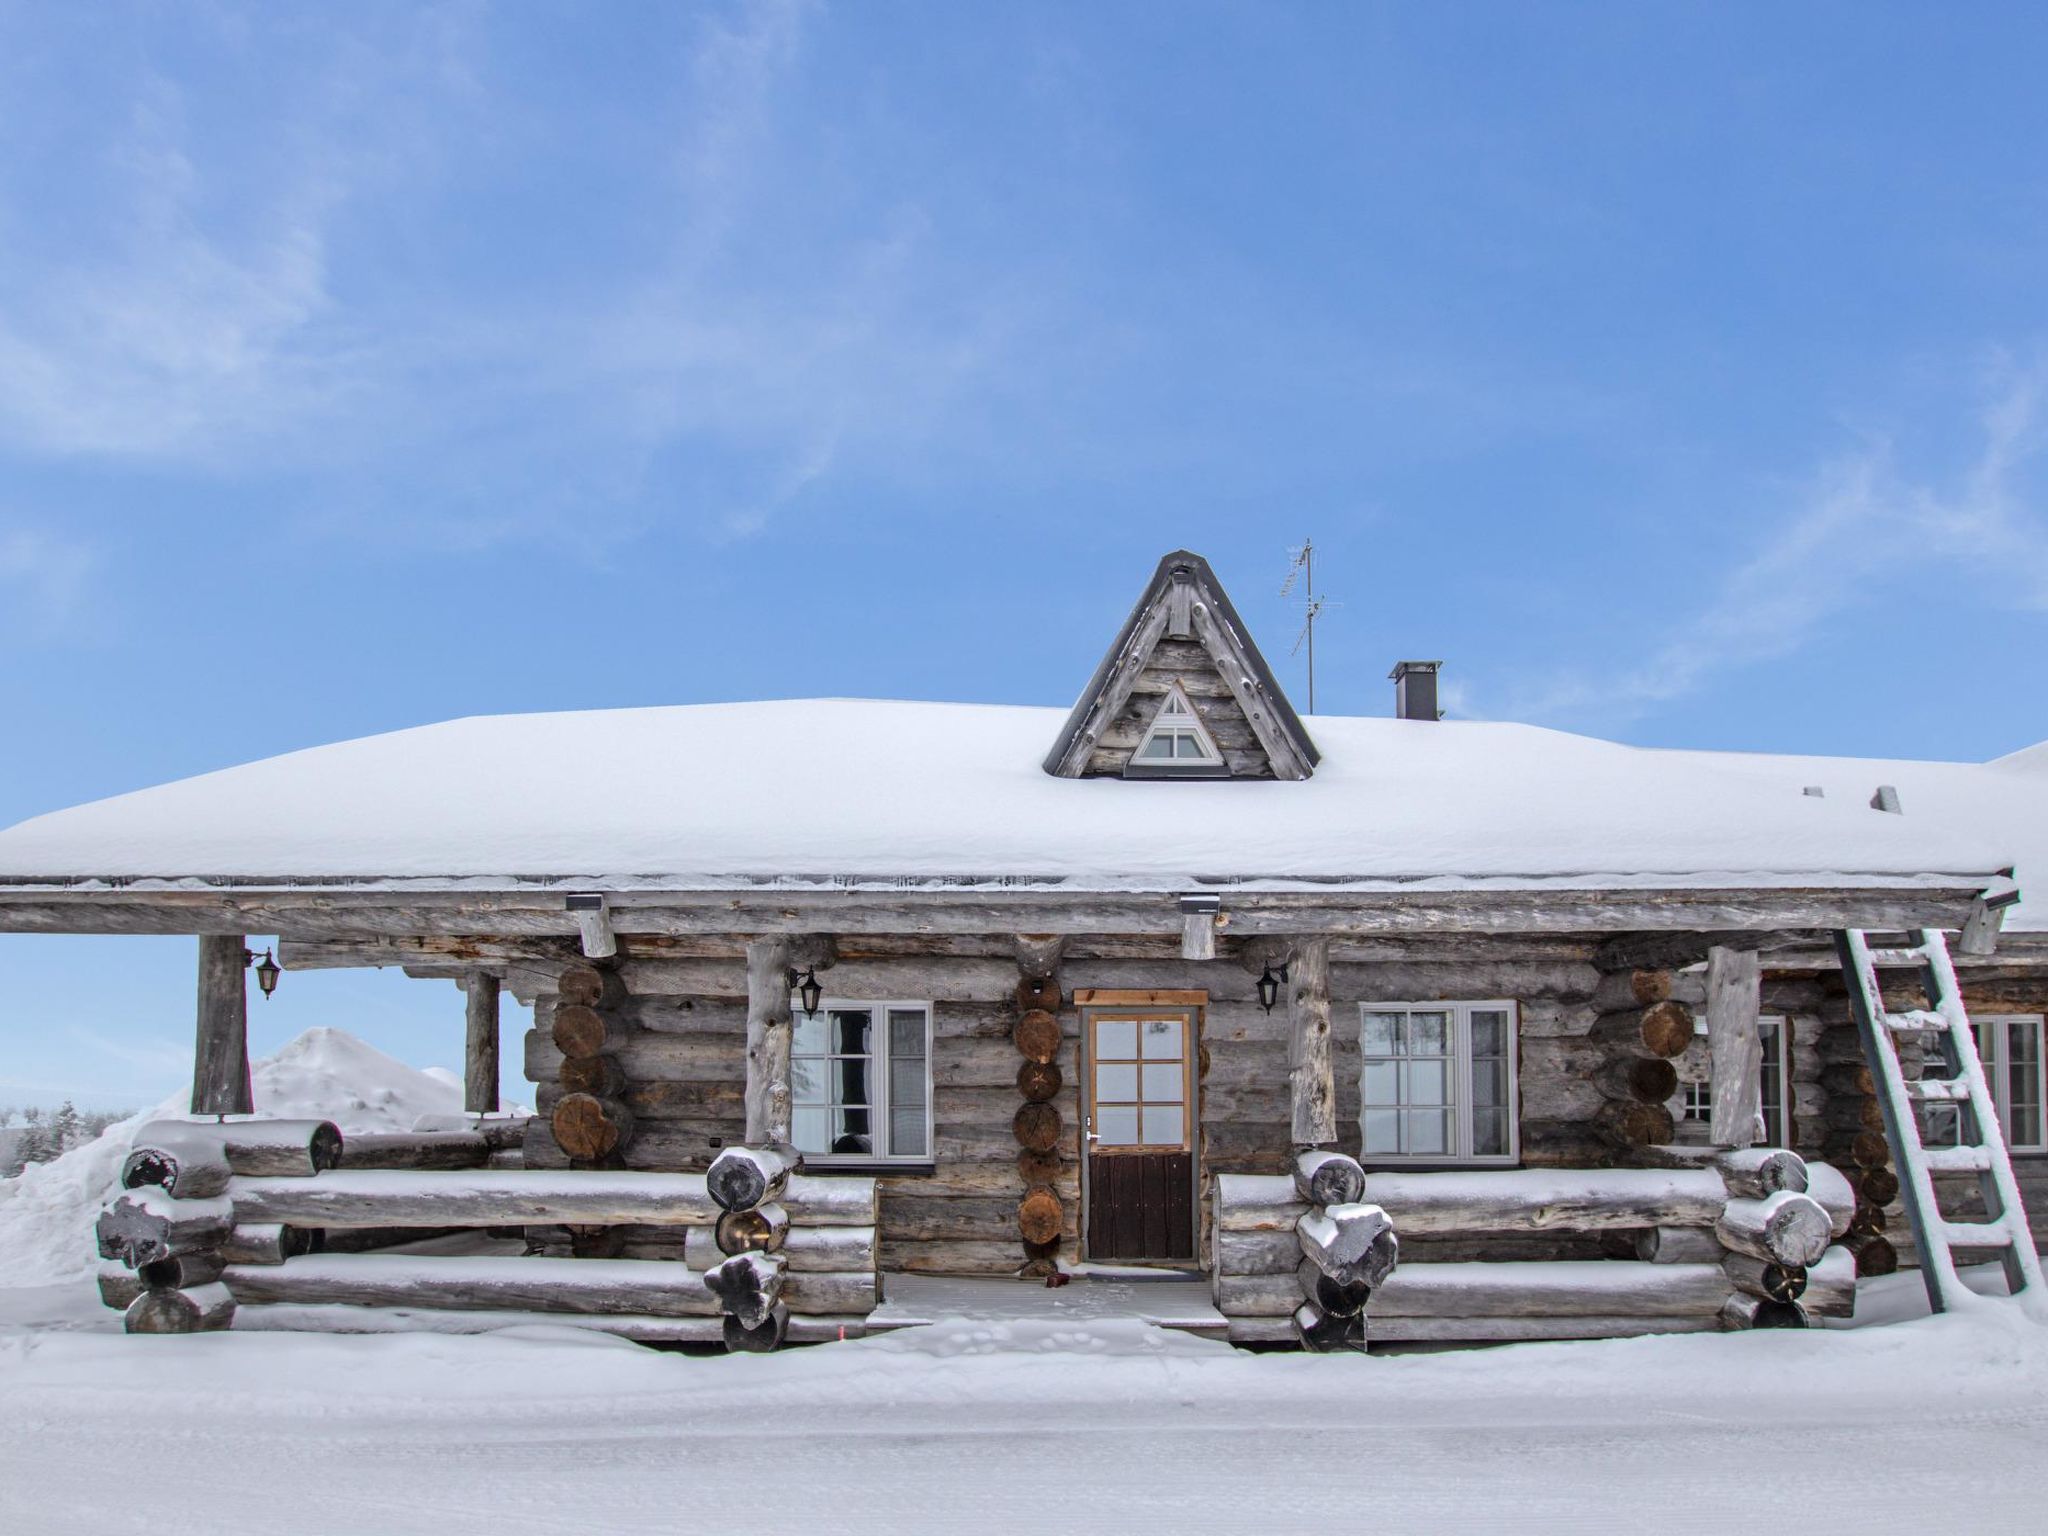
705	795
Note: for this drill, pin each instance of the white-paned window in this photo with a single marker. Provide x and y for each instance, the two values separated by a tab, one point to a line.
862	1080
2013	1064
1437	1082
1775	1092
1699	1102
1176	738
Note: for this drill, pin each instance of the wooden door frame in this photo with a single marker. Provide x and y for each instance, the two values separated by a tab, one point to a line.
1194	1004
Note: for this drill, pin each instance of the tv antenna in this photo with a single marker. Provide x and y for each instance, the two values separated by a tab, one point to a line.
1303	570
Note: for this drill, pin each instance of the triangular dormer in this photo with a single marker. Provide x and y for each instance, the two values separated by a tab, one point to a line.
1183	693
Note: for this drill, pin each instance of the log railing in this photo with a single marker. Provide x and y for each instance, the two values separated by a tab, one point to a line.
223	1226
1734	1240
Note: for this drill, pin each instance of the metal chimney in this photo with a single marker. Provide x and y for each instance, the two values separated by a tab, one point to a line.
1415	690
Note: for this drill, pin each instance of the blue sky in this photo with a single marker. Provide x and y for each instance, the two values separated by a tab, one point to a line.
1674	372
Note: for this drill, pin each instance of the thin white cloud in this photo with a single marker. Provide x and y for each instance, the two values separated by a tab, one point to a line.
1864	523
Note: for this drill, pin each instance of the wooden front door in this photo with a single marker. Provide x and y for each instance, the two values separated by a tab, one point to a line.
1140	1123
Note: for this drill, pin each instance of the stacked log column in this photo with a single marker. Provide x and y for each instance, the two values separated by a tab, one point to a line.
747	1183
1855	1136
1041	1216
1641	1029
1778	1234
1348	1248
167	1238
590	1121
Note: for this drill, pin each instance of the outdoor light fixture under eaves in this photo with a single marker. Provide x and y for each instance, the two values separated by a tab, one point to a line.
1269	986
267	970
808	992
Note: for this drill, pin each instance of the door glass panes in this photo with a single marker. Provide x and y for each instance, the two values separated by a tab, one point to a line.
1140	1088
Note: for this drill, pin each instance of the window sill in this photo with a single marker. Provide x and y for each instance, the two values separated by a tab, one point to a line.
872	1166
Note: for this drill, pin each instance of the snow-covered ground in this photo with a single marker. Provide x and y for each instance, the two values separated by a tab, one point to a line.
975	1425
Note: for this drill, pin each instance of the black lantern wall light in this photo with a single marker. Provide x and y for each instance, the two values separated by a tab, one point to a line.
1269	985
808	992
267	970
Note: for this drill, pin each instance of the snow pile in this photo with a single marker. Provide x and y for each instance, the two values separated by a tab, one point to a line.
47	1214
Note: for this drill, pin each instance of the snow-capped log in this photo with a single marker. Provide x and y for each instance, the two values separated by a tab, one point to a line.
1037	1036
1786	1228
1662	1029
1337	1298
1548	1199
1257	1253
1257	1202
143	1225
762	1338
1040	1216
747	1285
656	1287
1831	1285
741	1178
269	1148
1678	1245
1744	1311
1631	1124
416	1149
502	1133
1765	1277
589	986
1323	1332
1837	1196
581	1031
266	1242
185	1272
166	1155
765	1229
1752	1173
1352	1244
1553	1288
1643	1079
589	1128
805	1250
205	1310
1328	1178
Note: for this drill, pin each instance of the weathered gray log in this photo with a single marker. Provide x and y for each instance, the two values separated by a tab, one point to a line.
1311	1074
1743	1311
426	1151
220	1060
770	1028
1831	1285
1257	1202
1618	991
1352	1244
118	1284
1678	1245
805	1250
652	1286
1547	1199
1662	1029
1328	1178
267	1242
1538	1288
480	1045
282	1148
1733	997
1326	1332
1785	1228
143	1225
1339	1298
1508	1330
1837	1196
747	1285
763	1338
190	1167
1765	1278
741	1178
185	1272
764	1228
1257	1253
1038	957
1642	1079
205	1310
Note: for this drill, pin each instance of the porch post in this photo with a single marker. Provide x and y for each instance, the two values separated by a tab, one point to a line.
1734	992
480	1049
769	1038
220	1056
1312	1078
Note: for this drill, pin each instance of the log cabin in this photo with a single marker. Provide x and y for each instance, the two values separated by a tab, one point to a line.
1395	1028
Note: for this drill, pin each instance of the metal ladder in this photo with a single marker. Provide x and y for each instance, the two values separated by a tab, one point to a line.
1981	1140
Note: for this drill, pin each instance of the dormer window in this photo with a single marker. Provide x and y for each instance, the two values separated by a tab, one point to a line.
1176	741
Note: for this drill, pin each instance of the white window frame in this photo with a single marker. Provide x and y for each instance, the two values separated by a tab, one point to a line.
1996	1028
1782	1027
880	1111
1460	1107
1182	721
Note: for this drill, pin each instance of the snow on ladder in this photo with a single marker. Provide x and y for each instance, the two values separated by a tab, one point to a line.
1980	1145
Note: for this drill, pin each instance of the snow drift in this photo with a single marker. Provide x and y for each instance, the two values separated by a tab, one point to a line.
47	1214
